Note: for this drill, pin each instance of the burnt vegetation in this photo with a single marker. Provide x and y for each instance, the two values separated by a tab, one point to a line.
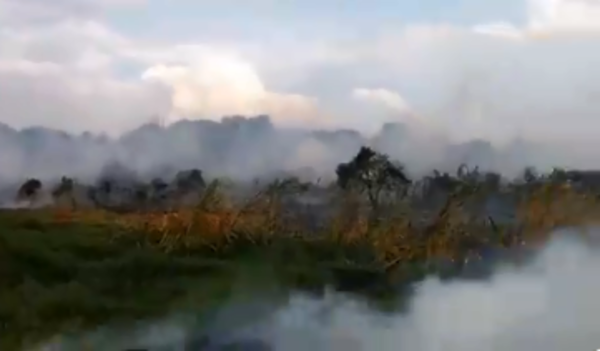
371	195
126	247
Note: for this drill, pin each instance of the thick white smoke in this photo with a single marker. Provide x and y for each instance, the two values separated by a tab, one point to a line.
547	305
550	304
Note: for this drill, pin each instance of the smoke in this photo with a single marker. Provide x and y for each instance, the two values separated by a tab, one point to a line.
500	95
547	304
247	148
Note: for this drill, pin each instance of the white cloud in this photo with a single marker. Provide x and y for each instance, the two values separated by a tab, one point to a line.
62	75
218	85
382	96
69	66
496	80
86	45
40	12
493	80
503	29
565	14
51	95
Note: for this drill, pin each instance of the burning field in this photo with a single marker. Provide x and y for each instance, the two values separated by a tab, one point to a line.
120	252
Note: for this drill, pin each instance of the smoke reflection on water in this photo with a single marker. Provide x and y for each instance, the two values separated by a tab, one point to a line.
549	304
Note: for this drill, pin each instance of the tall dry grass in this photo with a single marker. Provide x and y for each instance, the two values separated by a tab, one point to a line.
216	225
95	265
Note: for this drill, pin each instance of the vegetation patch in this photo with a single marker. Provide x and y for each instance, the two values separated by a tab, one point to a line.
79	256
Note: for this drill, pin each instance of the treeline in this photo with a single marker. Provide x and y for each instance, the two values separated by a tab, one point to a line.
369	175
244	148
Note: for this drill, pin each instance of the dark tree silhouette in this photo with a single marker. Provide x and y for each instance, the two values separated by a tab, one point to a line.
492	181
189	180
530	176
29	190
442	182
558	176
372	173
588	180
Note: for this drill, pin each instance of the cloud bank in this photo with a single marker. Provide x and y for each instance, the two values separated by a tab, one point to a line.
488	80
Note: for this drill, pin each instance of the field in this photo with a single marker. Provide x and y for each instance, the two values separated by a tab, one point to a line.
66	269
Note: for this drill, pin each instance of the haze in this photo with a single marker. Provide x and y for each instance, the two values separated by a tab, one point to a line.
451	71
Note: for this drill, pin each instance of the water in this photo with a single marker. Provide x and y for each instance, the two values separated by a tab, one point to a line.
548	304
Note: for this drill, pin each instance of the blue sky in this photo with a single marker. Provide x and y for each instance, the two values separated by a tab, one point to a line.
190	20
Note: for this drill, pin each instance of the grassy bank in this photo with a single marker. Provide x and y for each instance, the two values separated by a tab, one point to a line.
65	270
61	276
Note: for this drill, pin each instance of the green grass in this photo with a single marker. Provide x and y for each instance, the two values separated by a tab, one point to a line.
59	278
66	277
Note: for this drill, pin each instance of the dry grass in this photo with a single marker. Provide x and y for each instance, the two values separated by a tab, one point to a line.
63	269
452	235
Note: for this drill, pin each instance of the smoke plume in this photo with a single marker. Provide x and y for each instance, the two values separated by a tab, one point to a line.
547	304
